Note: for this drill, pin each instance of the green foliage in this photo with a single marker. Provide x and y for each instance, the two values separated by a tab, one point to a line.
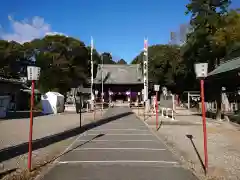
206	17
107	58
121	61
64	61
10	54
227	37
165	65
213	34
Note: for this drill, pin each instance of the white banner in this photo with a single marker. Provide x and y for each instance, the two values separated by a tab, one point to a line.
92	95
145	70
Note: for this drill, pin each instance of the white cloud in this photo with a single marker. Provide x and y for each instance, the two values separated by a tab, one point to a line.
27	30
55	33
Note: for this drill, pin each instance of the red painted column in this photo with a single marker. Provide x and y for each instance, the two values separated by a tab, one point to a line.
156	110
31	130
204	126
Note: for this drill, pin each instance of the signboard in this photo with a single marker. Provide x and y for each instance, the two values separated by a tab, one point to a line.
33	73
201	70
156	87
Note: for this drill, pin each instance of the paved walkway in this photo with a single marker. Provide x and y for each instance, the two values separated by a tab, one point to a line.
119	148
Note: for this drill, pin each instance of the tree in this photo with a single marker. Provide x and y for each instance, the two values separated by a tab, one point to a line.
64	57
64	61
10	55
165	65
227	37
107	58
214	31
121	61
205	21
200	46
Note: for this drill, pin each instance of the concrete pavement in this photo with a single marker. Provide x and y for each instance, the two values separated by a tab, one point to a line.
123	148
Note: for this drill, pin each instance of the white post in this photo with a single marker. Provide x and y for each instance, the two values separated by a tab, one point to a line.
102	81
173	101
96	93
188	100
145	74
92	95
172	115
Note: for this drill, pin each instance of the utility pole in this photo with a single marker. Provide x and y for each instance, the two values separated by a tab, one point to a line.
102	80
92	95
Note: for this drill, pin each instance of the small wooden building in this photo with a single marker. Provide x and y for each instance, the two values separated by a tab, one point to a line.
222	85
18	91
226	74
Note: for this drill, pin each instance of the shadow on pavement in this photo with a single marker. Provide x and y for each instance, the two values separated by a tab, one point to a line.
21	115
7	172
190	137
17	150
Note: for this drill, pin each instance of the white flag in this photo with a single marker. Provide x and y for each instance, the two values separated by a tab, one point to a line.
92	45
145	46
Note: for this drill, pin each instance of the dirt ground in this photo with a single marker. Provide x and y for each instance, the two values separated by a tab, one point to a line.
51	131
223	143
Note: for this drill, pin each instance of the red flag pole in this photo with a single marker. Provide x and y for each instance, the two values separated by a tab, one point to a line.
204	126
31	129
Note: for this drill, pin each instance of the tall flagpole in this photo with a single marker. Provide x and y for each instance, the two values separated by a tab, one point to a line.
145	73
92	95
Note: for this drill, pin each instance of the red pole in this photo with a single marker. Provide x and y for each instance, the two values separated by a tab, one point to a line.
31	130
156	111
204	126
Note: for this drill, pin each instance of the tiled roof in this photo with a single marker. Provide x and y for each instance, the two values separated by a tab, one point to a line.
230	65
119	74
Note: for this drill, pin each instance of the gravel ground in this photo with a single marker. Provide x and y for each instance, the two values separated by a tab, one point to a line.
223	144
43	126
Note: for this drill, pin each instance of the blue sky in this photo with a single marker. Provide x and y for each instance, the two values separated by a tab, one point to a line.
117	26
